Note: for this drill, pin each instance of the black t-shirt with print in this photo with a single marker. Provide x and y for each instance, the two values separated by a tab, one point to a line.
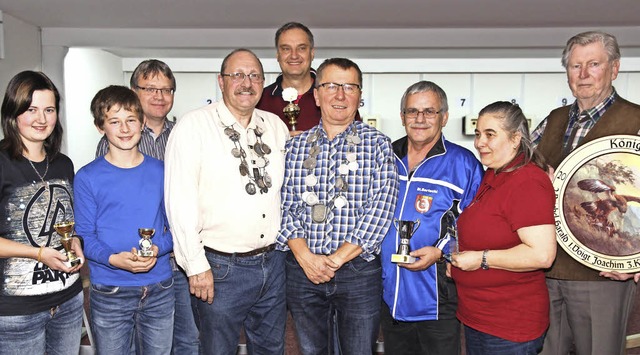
28	210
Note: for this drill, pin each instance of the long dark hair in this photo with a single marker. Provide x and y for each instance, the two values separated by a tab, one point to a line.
17	99
513	121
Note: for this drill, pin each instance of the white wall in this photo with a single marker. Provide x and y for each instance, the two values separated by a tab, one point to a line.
537	84
86	72
21	50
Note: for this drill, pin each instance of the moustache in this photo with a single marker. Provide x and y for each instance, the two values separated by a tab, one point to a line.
245	90
420	126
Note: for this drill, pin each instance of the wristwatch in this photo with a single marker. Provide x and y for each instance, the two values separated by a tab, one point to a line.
484	264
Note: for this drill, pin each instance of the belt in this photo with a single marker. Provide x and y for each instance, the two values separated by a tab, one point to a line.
254	252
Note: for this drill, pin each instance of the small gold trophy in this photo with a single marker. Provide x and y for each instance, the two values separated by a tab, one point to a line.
145	241
406	229
65	229
292	110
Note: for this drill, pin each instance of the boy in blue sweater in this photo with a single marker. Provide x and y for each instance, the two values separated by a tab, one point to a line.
132	300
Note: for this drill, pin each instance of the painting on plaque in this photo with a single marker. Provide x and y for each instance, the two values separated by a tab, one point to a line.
598	204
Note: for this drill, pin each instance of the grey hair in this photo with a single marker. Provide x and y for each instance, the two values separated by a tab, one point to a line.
223	67
425	86
609	42
514	121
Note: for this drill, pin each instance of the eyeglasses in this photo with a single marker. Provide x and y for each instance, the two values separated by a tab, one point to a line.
239	77
332	88
153	91
413	113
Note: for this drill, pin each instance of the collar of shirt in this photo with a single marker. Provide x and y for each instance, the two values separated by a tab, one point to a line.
277	91
593	114
342	136
227	119
166	127
492	179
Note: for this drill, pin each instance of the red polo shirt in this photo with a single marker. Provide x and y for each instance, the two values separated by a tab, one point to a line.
509	305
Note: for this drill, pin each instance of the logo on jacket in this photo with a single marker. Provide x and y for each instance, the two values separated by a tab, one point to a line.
423	203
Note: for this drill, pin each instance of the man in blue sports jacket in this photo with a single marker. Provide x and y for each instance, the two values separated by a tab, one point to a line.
436	176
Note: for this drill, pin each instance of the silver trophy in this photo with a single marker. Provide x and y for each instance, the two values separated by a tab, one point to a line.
145	241
406	229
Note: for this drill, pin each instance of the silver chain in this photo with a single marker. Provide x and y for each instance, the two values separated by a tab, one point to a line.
46	169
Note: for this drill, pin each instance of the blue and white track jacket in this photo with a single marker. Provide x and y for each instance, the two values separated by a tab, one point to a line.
447	179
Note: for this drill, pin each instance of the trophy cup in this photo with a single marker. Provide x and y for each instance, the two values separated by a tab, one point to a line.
406	230
65	230
452	236
292	110
145	241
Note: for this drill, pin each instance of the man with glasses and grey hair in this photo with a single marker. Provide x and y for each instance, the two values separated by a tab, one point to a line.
224	170
589	309
155	85
438	179
338	197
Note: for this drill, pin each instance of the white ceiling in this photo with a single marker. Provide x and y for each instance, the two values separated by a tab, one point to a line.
360	28
324	13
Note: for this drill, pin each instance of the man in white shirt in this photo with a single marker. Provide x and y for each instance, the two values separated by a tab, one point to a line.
224	169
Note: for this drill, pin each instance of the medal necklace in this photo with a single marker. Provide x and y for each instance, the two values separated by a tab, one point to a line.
319	211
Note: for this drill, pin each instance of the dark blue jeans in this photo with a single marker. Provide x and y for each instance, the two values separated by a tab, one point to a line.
479	343
353	295
185	332
249	292
143	315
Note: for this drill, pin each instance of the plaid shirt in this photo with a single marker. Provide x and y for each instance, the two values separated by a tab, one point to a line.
149	145
371	195
581	122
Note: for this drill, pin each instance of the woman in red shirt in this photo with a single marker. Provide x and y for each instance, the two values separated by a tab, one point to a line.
507	237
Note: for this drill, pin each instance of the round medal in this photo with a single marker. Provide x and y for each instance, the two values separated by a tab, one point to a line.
244	169
312	199
309	163
310	180
340	202
258	149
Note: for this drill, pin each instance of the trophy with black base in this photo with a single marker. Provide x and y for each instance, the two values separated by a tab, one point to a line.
406	229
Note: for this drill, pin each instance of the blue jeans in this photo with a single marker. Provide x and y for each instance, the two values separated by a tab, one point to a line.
185	332
126	315
55	331
479	343
249	292
353	295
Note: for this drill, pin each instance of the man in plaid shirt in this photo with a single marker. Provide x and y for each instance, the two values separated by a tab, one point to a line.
338	198
588	308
